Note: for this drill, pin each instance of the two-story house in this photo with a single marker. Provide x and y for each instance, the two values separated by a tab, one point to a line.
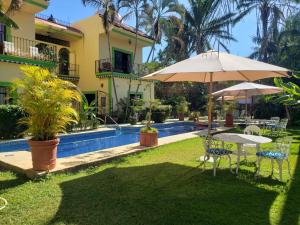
77	52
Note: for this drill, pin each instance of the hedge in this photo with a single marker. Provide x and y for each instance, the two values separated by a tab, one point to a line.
9	121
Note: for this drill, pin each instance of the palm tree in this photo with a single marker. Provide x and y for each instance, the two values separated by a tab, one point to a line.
209	21
108	18
6	13
158	15
270	14
136	8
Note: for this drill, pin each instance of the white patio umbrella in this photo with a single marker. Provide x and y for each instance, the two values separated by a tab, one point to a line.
215	66
248	89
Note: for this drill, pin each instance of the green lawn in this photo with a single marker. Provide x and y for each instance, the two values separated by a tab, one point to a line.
160	186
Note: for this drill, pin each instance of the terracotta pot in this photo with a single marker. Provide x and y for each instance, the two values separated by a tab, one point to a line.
229	120
148	139
181	117
44	154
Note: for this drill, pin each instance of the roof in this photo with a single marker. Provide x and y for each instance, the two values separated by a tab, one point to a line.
57	23
130	29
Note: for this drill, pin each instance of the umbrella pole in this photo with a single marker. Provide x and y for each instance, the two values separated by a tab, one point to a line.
210	105
246	104
223	111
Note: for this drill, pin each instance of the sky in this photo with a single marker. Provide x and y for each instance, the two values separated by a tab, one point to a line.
73	10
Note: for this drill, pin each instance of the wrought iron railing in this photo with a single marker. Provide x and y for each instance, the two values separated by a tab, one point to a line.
105	65
26	48
50	18
68	71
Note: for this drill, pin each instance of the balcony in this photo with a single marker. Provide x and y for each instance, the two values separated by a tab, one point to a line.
67	71
25	51
104	66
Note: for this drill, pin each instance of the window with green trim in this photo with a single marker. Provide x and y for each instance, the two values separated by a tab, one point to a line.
122	62
2	37
5	97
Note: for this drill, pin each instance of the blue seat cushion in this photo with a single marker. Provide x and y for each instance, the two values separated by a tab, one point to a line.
271	155
218	151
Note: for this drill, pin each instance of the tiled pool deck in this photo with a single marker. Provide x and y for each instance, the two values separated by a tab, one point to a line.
20	161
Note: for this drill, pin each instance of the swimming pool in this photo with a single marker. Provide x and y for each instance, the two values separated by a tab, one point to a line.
75	144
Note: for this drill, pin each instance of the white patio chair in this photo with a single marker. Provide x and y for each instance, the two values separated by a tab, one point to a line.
9	47
34	52
250	130
281	126
279	152
273	123
216	149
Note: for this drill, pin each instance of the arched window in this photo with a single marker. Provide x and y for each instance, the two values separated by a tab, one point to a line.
64	61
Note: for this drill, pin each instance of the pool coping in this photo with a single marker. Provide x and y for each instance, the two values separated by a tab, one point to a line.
20	161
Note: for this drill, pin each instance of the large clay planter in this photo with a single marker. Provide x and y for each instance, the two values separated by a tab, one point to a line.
181	117
44	154
148	139
229	120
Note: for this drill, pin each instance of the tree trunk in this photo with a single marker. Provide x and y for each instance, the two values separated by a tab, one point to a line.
134	55
288	115
111	70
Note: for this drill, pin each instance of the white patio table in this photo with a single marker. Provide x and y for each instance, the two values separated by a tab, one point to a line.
241	139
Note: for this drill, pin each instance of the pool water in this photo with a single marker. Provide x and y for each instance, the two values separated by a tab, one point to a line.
75	144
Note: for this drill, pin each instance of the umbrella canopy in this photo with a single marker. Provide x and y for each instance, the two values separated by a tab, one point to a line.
216	66
248	89
222	66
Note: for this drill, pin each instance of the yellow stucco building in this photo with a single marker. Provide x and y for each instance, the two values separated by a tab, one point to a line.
77	52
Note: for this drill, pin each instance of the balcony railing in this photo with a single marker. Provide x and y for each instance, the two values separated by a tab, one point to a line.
67	71
31	49
105	65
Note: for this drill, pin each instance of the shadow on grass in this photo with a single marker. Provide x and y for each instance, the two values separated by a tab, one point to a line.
163	193
19	179
291	211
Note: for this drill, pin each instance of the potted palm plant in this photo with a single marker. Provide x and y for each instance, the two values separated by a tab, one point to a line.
148	134
47	100
182	108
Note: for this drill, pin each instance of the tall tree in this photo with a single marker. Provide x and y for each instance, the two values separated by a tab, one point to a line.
270	14
136	8
108	18
7	10
158	16
209	21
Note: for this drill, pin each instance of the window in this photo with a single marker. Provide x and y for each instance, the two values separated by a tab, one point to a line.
4	95
2	37
122	62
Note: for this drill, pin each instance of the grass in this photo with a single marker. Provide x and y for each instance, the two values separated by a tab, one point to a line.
165	185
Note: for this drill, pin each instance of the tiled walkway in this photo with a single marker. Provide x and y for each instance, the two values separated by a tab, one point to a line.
21	161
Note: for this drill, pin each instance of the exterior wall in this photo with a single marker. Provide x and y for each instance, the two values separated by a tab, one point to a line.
9	72
88	48
122	87
121	43
25	22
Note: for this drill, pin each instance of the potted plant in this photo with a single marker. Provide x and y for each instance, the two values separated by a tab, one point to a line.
229	108
148	134
194	116
47	100
182	108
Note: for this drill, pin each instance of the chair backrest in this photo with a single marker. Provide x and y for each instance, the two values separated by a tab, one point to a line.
34	51
252	130
9	47
275	118
284	145
283	123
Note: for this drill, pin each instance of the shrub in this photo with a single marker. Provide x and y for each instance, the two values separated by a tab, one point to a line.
9	117
160	113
